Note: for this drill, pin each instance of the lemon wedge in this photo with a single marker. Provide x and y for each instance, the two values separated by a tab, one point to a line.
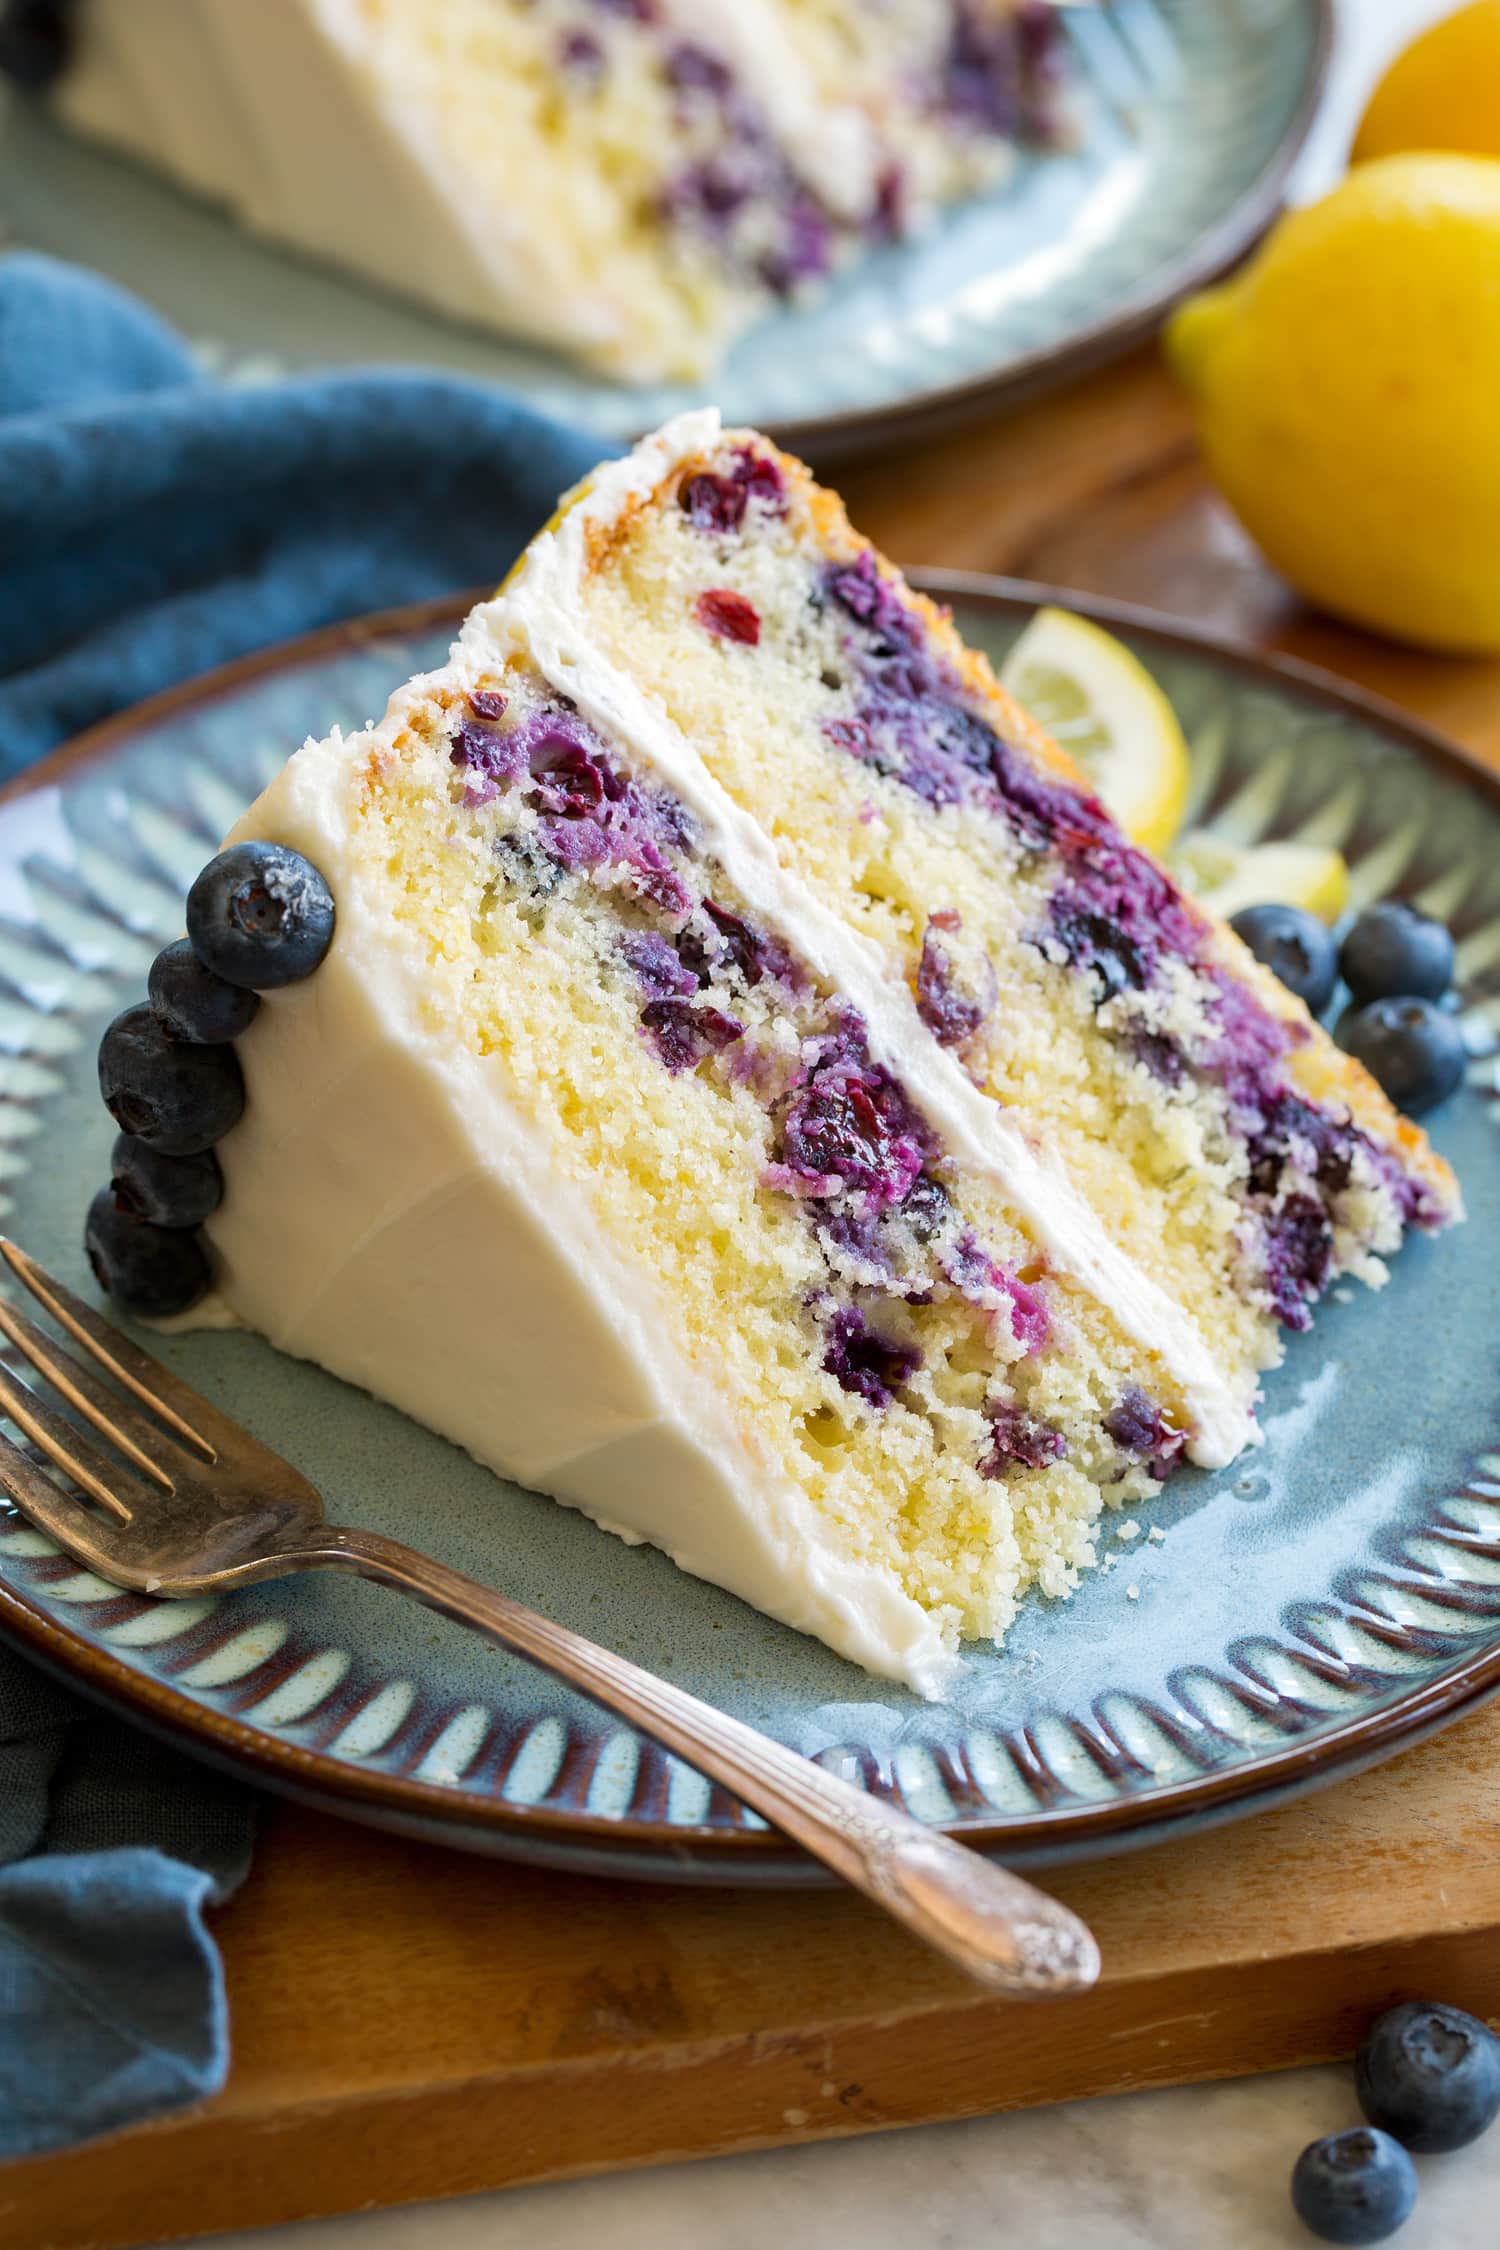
1226	877
1101	705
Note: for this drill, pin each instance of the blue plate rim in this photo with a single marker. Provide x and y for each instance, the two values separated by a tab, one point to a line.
664	1849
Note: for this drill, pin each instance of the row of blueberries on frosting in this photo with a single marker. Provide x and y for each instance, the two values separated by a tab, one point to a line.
258	917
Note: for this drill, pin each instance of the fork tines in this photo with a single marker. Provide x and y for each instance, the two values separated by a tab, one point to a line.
193	1420
146	1451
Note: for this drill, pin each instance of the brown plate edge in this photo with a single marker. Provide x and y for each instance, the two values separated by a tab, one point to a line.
658	1848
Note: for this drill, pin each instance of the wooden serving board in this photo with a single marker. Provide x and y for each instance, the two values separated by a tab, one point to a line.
409	2023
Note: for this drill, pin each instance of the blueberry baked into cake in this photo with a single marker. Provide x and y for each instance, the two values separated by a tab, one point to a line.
717	1063
633	181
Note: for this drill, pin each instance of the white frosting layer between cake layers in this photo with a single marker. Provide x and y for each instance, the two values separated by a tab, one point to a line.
539	609
389	1213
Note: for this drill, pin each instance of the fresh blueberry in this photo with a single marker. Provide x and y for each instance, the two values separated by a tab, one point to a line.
169	1191
192	1003
1295	946
1357	2186
1409	1047
153	1271
1394	951
260	915
177	1098
1430	2075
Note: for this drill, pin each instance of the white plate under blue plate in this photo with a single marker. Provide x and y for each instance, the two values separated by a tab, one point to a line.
1308	1609
1189	113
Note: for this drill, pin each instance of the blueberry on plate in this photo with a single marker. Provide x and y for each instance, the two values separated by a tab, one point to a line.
153	1271
1357	2186
260	915
177	1098
192	1003
169	1191
1430	2075
1295	946
1409	1047
1394	951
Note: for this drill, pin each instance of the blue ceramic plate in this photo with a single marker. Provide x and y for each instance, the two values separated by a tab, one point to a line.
1310	1608
1188	114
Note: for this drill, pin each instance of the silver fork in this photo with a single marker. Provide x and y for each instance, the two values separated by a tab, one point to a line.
189	1503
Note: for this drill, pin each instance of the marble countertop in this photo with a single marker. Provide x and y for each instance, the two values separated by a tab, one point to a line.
1200	2168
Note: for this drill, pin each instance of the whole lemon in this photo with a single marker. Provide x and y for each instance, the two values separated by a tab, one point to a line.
1443	91
1347	394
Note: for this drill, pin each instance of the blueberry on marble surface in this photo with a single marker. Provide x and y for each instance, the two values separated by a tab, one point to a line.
168	1191
177	1098
150	1270
1430	2075
192	1003
1394	951
1295	946
1409	1047
1357	2186
35	41
260	915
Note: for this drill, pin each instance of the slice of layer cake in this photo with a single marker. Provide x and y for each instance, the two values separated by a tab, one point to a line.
753	1093
634	180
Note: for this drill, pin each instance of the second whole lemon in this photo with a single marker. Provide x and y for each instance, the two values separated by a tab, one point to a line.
1443	91
1347	395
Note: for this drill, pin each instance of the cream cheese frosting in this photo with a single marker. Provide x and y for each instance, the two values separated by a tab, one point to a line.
265	107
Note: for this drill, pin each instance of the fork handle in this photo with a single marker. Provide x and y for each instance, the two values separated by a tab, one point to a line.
1004	1933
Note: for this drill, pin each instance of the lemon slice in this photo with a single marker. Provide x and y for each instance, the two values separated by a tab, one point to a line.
1227	876
1101	705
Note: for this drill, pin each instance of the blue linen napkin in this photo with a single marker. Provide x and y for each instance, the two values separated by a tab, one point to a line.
154	523
111	1990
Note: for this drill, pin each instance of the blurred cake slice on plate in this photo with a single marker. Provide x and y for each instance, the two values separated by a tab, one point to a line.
633	181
